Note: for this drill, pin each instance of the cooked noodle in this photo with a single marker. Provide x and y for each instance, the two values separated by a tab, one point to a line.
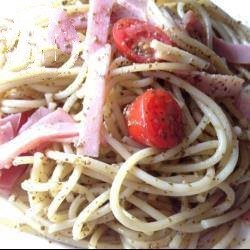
131	197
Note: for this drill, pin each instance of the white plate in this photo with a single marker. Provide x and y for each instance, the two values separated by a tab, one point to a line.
11	239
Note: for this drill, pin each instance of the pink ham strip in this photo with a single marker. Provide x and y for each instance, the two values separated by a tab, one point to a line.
234	53
98	58
9	178
39	130
13	119
35	117
129	9
55	117
34	137
8	127
79	21
90	135
44	117
98	26
6	133
62	31
243	102
217	86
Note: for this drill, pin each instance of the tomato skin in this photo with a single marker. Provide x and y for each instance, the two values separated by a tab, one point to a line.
132	38
155	119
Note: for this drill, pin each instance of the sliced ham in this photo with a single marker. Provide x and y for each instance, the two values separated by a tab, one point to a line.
14	119
62	31
34	137
243	102
129	9
233	53
98	58
217	86
34	118
9	178
6	133
98	26
90	134
55	117
41	129
79	21
43	116
9	127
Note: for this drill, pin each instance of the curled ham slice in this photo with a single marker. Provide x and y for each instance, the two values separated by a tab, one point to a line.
129	9
9	178
217	86
43	116
98	26
34	137
6	133
57	126
9	127
234	53
34	118
62	31
243	102
79	21
90	134
55	117
8	130
98	58
14	119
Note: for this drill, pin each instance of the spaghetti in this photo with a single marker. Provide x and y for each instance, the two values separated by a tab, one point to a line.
189	196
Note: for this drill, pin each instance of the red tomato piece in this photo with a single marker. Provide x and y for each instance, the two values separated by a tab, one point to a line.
132	38
155	119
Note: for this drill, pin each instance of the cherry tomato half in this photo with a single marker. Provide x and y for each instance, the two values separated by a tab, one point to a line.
132	38
155	119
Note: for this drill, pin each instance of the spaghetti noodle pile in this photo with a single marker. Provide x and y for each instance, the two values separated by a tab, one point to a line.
189	196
